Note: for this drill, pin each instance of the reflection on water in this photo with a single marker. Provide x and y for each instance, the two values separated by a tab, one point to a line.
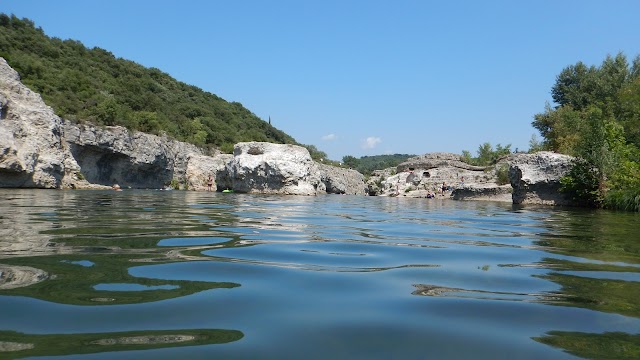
610	345
15	344
315	277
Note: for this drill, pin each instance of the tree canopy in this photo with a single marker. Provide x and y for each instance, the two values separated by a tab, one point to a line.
366	164
92	85
597	119
487	155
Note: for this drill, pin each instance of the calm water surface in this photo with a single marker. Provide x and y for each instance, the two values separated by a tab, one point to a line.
162	275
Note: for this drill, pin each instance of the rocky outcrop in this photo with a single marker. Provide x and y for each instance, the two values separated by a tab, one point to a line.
341	181
266	168
110	155
488	192
39	149
424	176
436	160
535	178
375	183
32	150
200	167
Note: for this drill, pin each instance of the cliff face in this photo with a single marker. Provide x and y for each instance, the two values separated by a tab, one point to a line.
131	159
342	181
40	150
535	178
32	150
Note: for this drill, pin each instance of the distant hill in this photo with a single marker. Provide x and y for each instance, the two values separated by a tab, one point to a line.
366	164
92	85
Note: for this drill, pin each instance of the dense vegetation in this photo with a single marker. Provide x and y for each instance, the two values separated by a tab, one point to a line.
487	155
366	164
92	85
597	119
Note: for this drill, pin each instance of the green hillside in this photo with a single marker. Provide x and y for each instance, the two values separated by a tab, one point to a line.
92	85
366	164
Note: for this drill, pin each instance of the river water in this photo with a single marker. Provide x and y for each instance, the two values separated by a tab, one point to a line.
174	274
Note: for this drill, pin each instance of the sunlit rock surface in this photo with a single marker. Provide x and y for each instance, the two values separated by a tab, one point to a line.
259	167
32	150
535	178
341	181
40	150
425	175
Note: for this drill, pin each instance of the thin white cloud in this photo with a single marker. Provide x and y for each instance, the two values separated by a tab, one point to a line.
371	142
329	137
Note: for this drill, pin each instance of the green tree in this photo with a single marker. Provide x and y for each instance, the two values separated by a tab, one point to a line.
350	161
629	105
487	155
367	164
597	119
316	154
587	181
535	145
108	111
560	128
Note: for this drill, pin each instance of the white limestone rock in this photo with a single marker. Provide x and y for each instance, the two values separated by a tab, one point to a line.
260	167
32	150
200	167
341	181
535	178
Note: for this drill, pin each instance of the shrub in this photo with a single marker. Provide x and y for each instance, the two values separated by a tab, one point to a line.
502	174
628	200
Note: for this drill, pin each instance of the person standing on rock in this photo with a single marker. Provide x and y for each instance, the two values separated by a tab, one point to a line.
209	183
444	188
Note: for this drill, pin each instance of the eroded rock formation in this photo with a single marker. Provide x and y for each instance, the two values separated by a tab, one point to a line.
40	150
423	175
259	167
114	155
535	178
32	150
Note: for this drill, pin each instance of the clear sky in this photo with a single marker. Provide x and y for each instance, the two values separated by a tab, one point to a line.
364	77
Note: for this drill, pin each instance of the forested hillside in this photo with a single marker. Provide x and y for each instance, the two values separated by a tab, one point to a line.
597	119
366	164
92	85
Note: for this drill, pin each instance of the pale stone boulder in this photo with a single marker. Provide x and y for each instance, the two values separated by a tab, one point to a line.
485	192
535	178
342	181
32	150
200	167
260	167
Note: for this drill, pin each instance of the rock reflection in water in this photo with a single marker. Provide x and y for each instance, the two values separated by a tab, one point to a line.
14	344
440	291
83	285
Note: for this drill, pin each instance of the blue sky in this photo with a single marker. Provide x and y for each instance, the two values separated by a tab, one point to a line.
361	77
